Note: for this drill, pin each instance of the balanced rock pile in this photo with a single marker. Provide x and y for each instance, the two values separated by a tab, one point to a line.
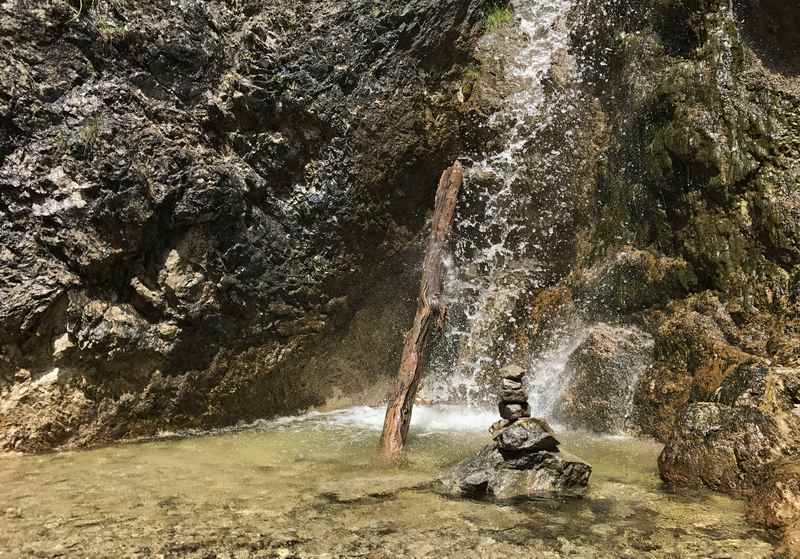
523	460
513	398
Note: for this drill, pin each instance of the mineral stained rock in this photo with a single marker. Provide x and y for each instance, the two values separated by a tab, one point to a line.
732	443
777	505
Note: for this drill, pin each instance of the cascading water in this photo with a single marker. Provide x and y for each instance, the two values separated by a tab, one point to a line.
499	247
549	379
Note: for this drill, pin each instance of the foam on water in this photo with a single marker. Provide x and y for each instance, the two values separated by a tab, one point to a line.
425	419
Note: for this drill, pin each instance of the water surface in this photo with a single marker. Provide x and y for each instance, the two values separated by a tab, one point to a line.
311	487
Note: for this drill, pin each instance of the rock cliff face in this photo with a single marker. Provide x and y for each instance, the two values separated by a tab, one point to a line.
694	231
197	199
677	149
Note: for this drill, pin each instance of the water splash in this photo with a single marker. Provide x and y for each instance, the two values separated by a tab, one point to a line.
547	378
494	262
426	419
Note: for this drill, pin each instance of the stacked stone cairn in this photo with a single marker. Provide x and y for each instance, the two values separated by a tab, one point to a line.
523	459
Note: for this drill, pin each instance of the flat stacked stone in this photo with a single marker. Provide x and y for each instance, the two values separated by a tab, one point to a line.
523	459
513	396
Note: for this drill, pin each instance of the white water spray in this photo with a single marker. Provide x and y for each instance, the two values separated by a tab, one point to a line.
492	266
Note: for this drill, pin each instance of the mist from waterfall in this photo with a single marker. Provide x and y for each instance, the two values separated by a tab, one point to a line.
547	377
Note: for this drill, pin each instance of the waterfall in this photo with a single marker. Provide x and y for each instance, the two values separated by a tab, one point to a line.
548	376
495	260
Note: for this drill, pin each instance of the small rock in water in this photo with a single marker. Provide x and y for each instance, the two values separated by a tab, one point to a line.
513	412
512	372
527	435
514	396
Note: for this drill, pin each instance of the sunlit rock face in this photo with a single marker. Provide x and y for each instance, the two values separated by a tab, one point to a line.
602	374
776	504
746	442
195	195
730	443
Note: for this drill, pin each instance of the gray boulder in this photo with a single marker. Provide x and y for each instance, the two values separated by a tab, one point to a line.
487	475
602	374
527	435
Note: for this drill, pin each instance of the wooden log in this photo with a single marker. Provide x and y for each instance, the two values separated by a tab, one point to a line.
430	307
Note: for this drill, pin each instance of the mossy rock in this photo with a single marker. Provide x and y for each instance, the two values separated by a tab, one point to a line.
630	280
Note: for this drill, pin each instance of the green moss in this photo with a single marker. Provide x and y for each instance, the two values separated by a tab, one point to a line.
469	77
61	143
107	30
471	72
89	133
498	16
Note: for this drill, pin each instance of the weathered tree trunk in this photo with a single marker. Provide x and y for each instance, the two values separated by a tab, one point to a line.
429	307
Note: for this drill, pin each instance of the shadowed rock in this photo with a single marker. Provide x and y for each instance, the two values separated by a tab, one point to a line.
554	475
196	203
514	396
513	411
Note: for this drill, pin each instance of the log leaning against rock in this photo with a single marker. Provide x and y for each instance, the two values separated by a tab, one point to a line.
430	307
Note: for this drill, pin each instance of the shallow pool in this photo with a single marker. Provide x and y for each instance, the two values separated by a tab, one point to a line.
310	487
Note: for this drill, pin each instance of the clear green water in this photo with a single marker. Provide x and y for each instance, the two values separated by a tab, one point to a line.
311	487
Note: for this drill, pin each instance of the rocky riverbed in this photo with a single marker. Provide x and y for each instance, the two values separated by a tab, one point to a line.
310	487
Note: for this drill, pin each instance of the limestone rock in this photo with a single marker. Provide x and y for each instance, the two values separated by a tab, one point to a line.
776	504
697	345
725	448
777	501
180	196
732	444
